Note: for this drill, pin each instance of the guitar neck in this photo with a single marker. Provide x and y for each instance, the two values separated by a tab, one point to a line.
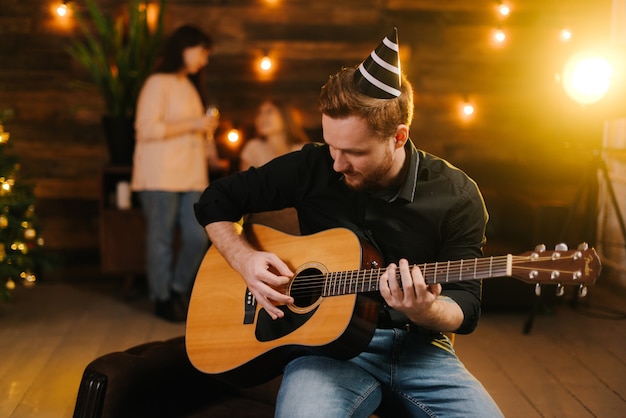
366	280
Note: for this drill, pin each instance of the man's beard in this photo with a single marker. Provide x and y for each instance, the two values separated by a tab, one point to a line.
372	180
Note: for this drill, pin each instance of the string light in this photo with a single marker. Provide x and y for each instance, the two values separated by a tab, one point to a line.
504	9
62	9
6	185
499	36
565	35
466	110
233	136
28	278
266	67
266	63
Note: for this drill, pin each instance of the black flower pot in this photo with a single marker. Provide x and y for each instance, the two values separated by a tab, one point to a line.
120	137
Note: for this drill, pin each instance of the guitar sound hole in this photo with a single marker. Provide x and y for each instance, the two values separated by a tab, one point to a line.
307	287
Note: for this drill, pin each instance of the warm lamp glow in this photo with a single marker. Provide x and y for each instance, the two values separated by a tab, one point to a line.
587	77
468	109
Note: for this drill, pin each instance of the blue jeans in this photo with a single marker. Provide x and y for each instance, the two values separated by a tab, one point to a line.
167	271
407	374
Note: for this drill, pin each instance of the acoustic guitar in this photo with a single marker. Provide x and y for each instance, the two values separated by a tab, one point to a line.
230	336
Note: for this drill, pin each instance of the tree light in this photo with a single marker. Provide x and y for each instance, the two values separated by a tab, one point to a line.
587	77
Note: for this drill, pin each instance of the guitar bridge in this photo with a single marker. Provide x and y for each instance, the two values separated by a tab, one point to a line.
249	308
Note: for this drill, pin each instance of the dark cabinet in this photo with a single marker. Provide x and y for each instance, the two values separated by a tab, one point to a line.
122	231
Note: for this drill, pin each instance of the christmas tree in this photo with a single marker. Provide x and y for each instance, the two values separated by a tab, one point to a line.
20	243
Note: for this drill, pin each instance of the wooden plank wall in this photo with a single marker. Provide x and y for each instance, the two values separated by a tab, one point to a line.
524	126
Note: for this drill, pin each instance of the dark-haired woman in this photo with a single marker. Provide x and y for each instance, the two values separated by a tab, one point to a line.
174	148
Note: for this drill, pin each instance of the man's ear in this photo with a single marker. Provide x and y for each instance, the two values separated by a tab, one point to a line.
402	135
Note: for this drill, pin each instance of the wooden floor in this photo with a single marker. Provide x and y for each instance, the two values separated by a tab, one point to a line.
572	364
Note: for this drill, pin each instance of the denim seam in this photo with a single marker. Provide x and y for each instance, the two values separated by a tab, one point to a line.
400	337
398	340
363	397
420	405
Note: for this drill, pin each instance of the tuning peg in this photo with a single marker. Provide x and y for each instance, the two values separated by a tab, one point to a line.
538	249
561	247
560	290
537	289
582	290
577	254
583	246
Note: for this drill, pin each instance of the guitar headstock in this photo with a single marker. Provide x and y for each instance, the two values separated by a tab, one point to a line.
561	267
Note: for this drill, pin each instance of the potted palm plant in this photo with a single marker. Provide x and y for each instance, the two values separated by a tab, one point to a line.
119	54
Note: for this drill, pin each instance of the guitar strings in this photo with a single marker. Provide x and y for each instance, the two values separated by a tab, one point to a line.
356	281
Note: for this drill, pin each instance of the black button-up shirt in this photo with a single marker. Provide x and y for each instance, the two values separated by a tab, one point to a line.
437	214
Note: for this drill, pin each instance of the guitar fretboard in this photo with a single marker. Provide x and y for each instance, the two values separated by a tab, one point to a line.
366	280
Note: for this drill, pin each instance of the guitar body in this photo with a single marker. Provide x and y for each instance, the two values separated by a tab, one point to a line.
229	335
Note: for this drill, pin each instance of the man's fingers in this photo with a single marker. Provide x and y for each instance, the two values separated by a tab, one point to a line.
279	265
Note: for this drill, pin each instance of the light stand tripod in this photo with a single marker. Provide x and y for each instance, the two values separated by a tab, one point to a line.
597	168
587	194
609	186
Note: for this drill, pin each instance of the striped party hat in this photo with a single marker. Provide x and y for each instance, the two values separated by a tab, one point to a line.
379	75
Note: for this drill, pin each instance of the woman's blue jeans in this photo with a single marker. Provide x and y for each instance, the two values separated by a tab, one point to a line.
167	270
412	375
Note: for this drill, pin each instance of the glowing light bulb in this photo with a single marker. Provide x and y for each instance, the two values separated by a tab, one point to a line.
499	36
565	35
62	10
233	136
266	63
468	109
587	77
504	9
